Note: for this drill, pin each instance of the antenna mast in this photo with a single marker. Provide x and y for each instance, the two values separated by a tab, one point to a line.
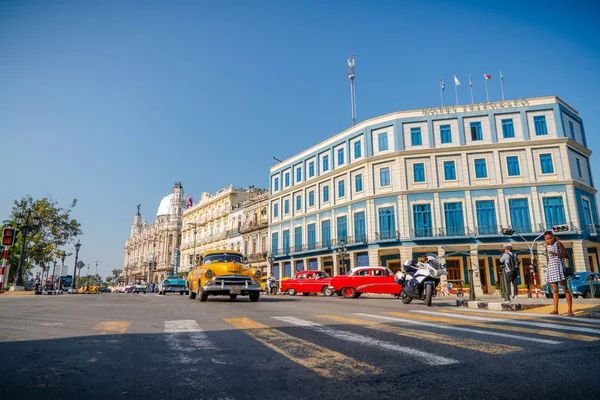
352	91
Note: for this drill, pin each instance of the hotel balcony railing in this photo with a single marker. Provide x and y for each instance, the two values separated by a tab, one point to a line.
548	227
592	229
252	227
387	235
231	232
488	230
256	257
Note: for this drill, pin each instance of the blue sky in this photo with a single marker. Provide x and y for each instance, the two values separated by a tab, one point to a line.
111	102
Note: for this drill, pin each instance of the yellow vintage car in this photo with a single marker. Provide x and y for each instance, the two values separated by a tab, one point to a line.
223	273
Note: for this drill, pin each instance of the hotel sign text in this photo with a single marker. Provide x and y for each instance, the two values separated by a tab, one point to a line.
495	105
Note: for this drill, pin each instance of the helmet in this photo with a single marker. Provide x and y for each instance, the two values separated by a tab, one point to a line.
410	263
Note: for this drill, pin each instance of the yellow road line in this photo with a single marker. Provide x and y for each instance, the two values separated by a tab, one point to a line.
111	327
324	362
529	317
470	344
578	309
545	332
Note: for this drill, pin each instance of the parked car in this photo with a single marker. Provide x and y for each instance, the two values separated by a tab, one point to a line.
173	285
104	289
579	285
365	280
138	288
307	282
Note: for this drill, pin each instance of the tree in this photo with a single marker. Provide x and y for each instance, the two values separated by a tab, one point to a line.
116	272
57	230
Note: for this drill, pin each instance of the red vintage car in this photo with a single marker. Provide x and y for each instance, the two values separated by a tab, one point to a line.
365	280
306	282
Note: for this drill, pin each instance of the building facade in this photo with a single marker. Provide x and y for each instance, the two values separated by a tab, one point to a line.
255	229
205	223
149	250
442	180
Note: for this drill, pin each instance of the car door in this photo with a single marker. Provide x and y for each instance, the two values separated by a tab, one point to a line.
362	280
299	282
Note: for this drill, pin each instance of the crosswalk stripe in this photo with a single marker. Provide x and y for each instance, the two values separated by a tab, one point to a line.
571	336
515	322
324	362
470	344
425	357
456	328
111	327
520	316
186	336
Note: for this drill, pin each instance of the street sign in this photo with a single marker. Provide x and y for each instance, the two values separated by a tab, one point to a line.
9	236
80	264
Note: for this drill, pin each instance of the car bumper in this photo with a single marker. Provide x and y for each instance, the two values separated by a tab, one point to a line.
175	289
243	290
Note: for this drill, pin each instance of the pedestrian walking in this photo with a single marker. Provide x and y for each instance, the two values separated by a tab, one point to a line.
511	270
557	254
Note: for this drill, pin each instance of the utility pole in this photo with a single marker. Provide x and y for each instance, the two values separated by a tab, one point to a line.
96	273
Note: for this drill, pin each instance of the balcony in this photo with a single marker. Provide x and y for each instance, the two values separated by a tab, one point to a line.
232	232
257	257
253	227
547	227
387	235
488	230
592	229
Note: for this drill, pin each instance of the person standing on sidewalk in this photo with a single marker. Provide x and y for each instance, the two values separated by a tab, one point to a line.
557	254
511	270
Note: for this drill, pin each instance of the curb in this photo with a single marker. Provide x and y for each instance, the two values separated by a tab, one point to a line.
495	306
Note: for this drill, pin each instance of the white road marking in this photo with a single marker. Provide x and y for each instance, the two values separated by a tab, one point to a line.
457	328
52	324
532	315
426	357
186	336
512	321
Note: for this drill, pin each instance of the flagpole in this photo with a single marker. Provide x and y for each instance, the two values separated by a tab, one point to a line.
456	90
487	97
441	95
471	85
501	84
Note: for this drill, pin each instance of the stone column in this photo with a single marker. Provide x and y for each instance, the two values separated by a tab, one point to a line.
336	271
542	264
405	253
581	258
474	265
373	256
442	254
352	260
320	263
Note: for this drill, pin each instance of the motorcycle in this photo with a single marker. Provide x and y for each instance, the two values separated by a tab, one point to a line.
420	279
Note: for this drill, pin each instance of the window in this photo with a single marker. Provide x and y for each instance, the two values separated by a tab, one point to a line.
298	175
554	211
312	236
360	234
311	198
341	189
286	207
287	179
480	168
340	154
276	185
382	138
358	183
508	129
453	214
342	228
512	164
422	220
311	169
274	242
587	212
325	233
415	137
546	163
578	162
449	171
572	130
276	210
486	217
357	149
445	134
286	241
539	123
298	238
387	223
384	177
519	215
325	163
418	173
476	133
325	194
298	203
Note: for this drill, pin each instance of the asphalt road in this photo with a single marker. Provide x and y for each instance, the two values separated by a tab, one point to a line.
168	347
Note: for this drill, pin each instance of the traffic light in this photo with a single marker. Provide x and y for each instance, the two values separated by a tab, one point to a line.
561	228
508	231
9	236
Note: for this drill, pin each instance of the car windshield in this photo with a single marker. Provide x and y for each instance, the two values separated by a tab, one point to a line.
222	257
321	275
175	282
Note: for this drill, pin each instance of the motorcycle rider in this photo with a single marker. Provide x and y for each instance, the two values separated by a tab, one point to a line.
271	282
418	274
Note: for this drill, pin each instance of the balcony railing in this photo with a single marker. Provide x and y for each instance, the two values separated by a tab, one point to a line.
592	229
546	227
252	227
488	230
256	257
387	235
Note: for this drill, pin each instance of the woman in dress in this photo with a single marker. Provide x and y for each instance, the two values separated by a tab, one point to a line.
556	270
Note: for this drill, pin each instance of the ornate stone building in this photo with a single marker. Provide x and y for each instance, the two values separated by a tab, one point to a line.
254	229
205	224
149	251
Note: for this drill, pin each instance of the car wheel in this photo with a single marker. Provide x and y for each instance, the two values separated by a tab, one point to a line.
327	292
254	296
202	295
181	293
305	293
291	292
191	295
348	292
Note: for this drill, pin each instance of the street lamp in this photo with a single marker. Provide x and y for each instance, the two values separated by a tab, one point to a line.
342	251
26	225
195	225
53	272
510	232
271	260
62	259
74	283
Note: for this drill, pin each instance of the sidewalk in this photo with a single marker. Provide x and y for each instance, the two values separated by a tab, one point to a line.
589	308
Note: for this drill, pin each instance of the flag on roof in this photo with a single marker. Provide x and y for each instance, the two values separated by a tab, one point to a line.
486	76
442	84
501	76
456	81
470	81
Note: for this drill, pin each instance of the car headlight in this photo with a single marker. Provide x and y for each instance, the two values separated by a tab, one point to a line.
208	273
257	274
